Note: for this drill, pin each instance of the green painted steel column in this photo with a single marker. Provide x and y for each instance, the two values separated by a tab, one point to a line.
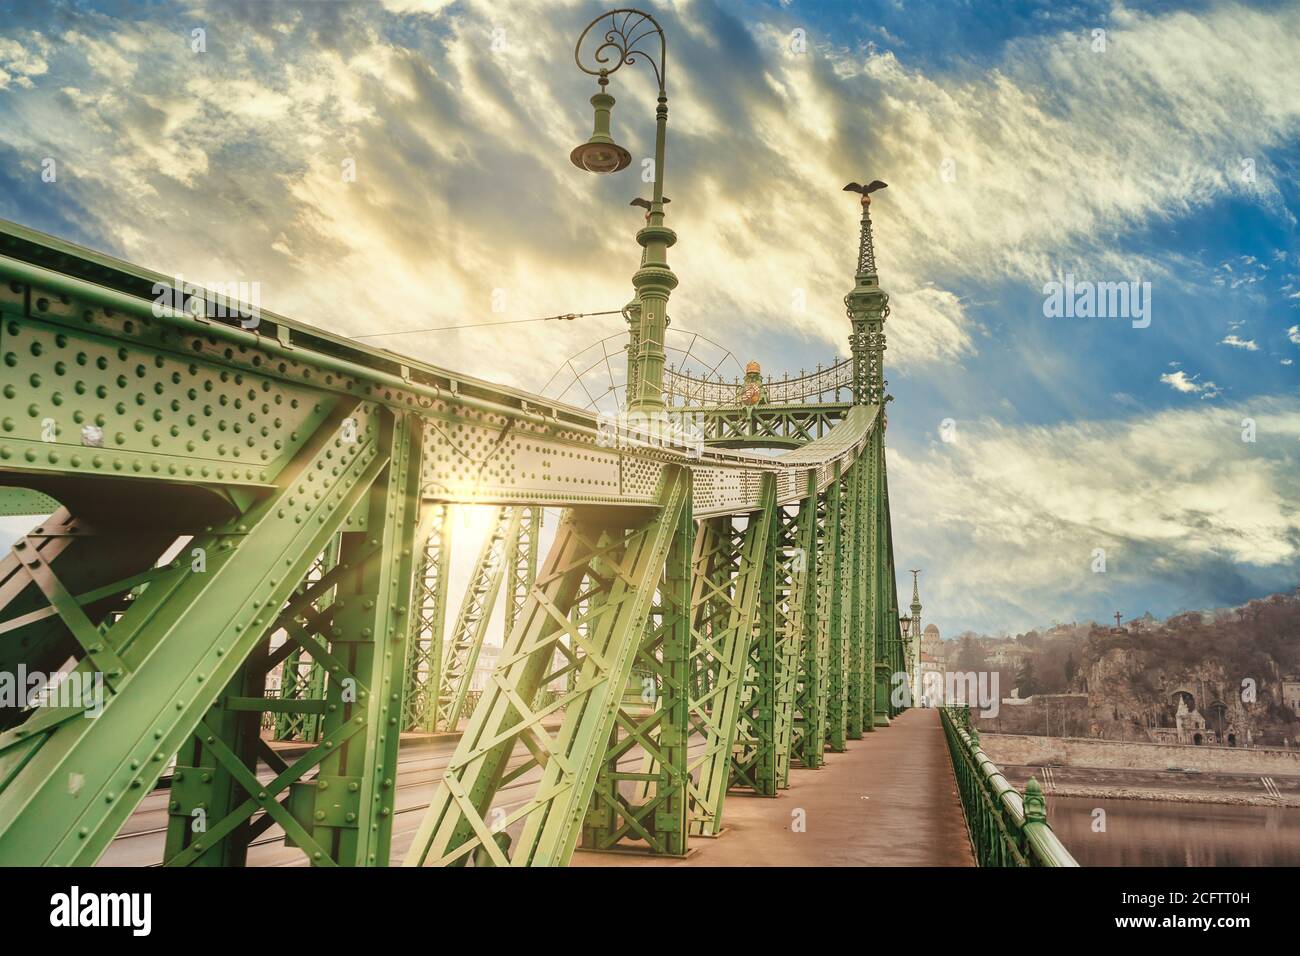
883	581
837	716
853	575
897	668
371	627
183	640
722	649
754	756
791	575
807	746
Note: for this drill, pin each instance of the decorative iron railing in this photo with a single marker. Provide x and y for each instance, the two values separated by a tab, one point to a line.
1005	828
834	381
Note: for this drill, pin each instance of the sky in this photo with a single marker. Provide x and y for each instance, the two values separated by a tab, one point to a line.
403	165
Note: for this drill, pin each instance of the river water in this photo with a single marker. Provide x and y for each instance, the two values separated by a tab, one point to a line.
1158	833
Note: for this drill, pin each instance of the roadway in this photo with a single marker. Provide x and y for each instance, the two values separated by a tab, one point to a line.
890	799
420	764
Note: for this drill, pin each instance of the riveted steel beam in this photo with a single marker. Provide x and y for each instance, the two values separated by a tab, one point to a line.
175	395
343	815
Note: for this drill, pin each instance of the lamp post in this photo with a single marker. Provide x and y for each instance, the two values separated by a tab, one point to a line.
616	38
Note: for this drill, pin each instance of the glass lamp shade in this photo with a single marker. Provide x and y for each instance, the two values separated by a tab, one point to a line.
597	157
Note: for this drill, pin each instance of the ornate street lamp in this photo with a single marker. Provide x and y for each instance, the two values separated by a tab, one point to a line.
616	37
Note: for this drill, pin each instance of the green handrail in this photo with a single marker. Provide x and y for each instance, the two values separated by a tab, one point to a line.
1005	829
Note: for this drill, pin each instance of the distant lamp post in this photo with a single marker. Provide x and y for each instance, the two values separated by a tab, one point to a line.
616	38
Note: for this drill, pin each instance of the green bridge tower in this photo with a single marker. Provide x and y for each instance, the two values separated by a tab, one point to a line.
868	307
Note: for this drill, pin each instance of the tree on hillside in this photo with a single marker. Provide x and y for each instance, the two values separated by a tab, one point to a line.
969	655
1025	678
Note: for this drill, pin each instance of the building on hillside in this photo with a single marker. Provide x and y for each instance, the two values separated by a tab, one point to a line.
1189	727
1291	694
1009	656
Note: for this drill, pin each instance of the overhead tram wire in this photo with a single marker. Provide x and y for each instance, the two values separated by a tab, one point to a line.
566	317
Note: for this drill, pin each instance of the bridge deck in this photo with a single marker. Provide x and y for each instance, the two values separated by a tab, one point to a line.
889	800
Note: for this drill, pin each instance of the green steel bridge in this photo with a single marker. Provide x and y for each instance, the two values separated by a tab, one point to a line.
241	542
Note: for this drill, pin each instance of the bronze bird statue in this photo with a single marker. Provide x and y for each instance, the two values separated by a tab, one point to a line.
859	188
645	204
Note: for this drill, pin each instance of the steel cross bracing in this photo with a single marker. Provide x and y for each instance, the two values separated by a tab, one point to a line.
462	651
704	620
767	426
760	752
424	644
302	677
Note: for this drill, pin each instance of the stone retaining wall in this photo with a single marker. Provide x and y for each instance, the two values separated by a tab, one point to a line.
1025	750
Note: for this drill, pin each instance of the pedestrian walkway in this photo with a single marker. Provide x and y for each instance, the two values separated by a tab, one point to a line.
889	800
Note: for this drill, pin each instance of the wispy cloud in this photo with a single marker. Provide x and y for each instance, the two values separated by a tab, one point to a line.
1180	381
1239	343
1022	511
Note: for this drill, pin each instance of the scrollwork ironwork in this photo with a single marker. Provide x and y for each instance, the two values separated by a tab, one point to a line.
623	30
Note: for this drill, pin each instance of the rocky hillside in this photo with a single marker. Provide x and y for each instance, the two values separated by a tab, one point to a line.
1229	665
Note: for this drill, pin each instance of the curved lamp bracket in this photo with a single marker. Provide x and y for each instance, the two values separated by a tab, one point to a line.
617	38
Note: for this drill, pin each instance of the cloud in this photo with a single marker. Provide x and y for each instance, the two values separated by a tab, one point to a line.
22	58
1293	334
1167	497
1239	343
1180	382
464	198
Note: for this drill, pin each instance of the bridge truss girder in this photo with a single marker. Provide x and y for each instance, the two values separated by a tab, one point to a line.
315	475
